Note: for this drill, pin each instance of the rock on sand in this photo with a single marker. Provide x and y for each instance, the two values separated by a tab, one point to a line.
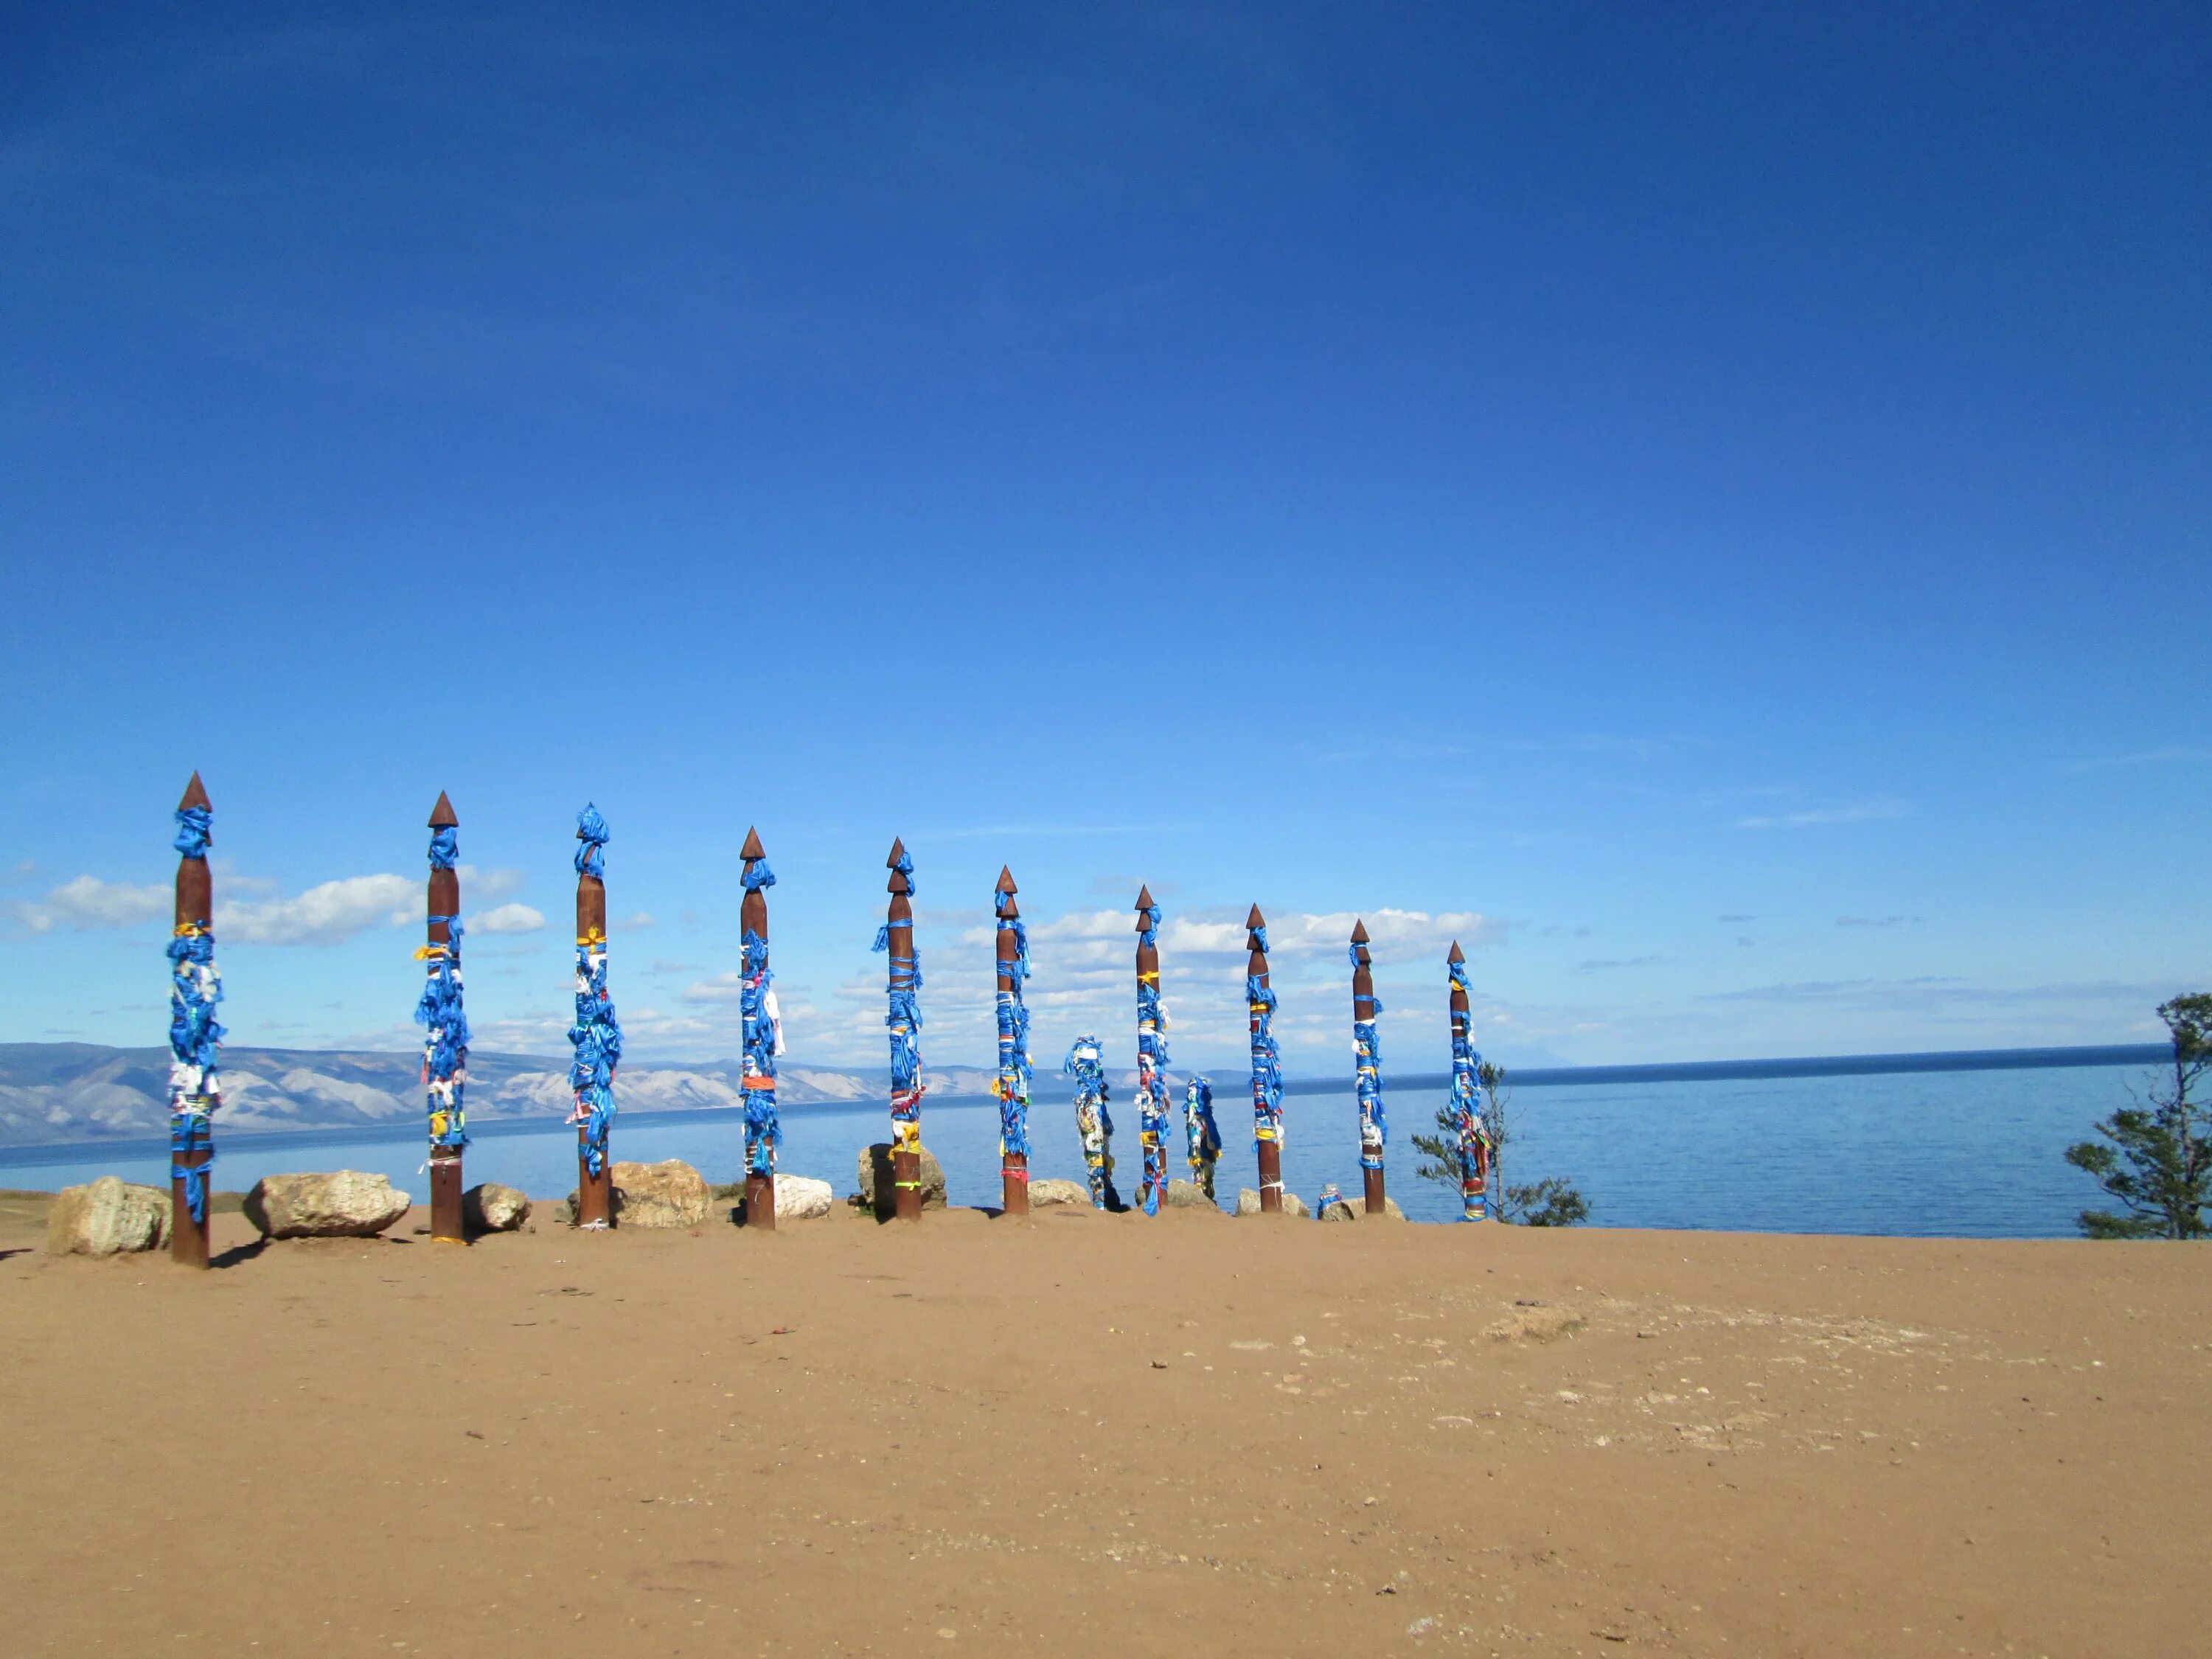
345	1204
1187	1195
1051	1191
801	1198
106	1218
492	1208
876	1179
1248	1203
670	1193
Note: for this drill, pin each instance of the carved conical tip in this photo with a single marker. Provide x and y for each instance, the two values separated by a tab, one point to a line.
195	795
1359	932
898	883
753	850
1456	956
1144	897
1006	881
1013	911
897	852
442	816
1255	920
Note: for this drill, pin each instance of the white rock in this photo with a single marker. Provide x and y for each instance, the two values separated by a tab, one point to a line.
800	1198
107	1217
1248	1203
1050	1191
344	1204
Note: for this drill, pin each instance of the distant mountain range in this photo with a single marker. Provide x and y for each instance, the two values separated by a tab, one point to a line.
57	1092
74	1092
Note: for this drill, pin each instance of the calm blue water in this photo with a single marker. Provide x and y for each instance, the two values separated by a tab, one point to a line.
1975	1154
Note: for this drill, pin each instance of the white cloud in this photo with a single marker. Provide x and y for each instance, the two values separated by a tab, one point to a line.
642	919
88	902
723	987
326	915
488	886
1863	812
507	919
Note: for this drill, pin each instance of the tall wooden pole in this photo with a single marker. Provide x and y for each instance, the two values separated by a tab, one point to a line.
763	1037
597	1034
195	1083
1267	1067
1367	1048
904	1018
1151	1056
1012	1086
1467	1102
446	1043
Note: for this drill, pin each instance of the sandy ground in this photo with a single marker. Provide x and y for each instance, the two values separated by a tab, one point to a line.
1106	1434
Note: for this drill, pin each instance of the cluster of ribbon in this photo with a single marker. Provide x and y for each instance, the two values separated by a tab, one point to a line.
1091	1121
1267	1059
195	988
763	1038
439	1013
905	1019
1013	1084
1151	1056
597	1034
1367	1058
1474	1148
1201	1137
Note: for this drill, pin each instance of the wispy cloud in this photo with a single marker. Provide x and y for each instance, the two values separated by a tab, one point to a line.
2143	757
328	913
1876	921
637	922
1860	813
1605	964
509	919
87	902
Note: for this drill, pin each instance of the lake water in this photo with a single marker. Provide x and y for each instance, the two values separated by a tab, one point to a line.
1945	1153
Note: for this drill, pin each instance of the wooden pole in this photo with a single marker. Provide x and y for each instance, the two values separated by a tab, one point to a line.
1474	1153
192	1093
903	980
595	1194
1013	1086
761	1130
1266	1069
1151	1053
445	908
1368	1063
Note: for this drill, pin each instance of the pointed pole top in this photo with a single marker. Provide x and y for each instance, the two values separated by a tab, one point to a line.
195	795
1359	932
1144	897
753	850
1255	920
1006	881
897	852
442	816
1457	956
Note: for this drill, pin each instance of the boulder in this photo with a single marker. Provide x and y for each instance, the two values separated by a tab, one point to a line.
1337	1207
1187	1195
800	1198
1050	1191
345	1204
877	1188
107	1217
667	1195
1248	1203
492	1208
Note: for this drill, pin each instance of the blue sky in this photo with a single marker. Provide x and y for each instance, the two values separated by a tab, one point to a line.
1706	505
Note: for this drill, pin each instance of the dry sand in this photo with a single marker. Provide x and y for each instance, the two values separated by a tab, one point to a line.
1106	1434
